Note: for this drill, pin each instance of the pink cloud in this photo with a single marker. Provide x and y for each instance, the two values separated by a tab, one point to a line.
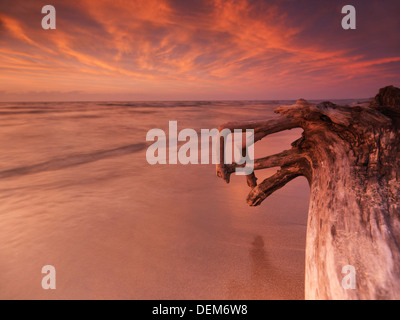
159	48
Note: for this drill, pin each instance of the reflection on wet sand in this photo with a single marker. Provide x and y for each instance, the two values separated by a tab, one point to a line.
265	281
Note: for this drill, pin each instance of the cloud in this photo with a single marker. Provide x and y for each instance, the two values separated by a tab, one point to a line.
216	48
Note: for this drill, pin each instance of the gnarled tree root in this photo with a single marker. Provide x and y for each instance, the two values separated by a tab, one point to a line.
351	158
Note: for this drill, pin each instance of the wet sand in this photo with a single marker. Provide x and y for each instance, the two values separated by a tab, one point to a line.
78	194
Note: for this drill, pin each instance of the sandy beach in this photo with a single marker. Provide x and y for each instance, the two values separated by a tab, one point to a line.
78	194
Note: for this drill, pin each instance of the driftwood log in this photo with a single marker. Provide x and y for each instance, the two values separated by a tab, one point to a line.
351	158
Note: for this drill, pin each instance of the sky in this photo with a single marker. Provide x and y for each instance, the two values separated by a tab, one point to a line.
197	50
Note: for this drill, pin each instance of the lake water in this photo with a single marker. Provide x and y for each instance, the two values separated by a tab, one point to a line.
77	193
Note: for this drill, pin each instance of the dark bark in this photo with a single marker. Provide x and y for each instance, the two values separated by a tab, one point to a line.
351	158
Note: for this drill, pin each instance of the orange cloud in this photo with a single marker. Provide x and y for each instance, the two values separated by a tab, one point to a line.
14	27
168	47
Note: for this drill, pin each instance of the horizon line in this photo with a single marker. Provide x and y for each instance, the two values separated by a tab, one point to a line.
198	100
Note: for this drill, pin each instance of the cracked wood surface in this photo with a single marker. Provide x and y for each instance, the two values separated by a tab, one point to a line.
351	158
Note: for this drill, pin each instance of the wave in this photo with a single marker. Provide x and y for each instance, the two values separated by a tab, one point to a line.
72	160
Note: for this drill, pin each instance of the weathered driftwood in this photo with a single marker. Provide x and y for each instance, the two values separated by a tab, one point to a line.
351	158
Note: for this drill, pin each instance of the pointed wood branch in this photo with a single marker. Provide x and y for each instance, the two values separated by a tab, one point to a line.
271	184
281	159
261	129
266	126
285	158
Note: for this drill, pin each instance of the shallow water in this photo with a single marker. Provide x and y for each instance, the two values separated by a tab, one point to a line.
77	193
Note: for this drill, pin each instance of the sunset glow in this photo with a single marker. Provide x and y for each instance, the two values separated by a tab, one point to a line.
191	50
